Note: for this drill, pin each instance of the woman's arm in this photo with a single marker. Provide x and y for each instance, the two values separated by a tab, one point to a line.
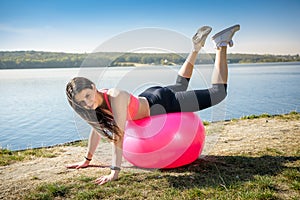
93	143
119	103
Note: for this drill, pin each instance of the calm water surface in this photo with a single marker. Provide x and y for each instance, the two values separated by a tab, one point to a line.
35	111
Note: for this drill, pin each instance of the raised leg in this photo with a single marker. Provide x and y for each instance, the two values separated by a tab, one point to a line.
194	100
221	40
220	73
187	68
198	42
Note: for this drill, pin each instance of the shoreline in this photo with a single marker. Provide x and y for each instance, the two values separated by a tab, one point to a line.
205	123
140	65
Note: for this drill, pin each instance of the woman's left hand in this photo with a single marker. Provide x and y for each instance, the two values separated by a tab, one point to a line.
104	179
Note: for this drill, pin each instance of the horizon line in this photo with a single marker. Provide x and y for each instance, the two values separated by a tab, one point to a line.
64	52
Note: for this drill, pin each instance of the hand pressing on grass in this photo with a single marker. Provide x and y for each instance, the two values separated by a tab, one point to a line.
83	164
104	179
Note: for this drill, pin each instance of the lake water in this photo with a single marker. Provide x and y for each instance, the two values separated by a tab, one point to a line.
35	111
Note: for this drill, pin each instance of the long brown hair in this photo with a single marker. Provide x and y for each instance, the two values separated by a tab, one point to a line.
100	120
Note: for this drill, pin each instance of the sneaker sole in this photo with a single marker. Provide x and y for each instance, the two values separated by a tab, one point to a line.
235	27
203	32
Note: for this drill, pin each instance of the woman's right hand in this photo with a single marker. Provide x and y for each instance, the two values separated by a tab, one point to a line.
83	164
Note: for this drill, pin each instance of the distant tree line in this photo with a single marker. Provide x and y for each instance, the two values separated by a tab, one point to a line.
257	58
39	59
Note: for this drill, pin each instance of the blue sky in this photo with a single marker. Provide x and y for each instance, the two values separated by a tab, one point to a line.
267	26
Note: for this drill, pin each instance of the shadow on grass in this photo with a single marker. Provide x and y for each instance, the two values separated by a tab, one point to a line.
224	171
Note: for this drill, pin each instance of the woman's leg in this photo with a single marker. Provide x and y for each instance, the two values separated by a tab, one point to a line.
221	41
220	72
191	101
198	42
169	100
186	70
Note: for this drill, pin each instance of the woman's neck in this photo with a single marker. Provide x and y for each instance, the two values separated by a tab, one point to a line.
101	102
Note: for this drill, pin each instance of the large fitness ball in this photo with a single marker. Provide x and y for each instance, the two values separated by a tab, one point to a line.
164	141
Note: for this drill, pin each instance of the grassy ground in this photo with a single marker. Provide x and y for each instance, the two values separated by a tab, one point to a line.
8	157
217	177
267	172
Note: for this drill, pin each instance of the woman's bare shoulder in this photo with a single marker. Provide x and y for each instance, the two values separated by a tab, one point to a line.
116	92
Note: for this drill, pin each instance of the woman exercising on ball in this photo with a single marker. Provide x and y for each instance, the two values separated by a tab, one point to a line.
104	110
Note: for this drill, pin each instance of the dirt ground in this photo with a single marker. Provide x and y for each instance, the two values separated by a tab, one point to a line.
238	137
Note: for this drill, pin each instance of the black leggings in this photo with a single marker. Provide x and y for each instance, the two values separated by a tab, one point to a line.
175	98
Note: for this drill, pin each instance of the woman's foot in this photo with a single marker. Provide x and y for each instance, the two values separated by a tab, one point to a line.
200	37
224	38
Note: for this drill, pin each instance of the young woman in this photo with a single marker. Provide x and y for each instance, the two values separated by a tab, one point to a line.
108	110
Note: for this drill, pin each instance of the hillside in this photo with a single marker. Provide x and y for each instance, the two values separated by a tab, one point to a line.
39	59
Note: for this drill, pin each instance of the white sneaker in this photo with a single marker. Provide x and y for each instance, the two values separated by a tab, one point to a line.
200	37
224	38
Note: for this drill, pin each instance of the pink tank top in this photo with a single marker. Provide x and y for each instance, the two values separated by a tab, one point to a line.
132	108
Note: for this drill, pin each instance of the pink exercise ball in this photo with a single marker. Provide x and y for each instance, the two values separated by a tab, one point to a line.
164	141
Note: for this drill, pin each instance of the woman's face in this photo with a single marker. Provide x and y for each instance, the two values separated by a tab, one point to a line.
87	98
